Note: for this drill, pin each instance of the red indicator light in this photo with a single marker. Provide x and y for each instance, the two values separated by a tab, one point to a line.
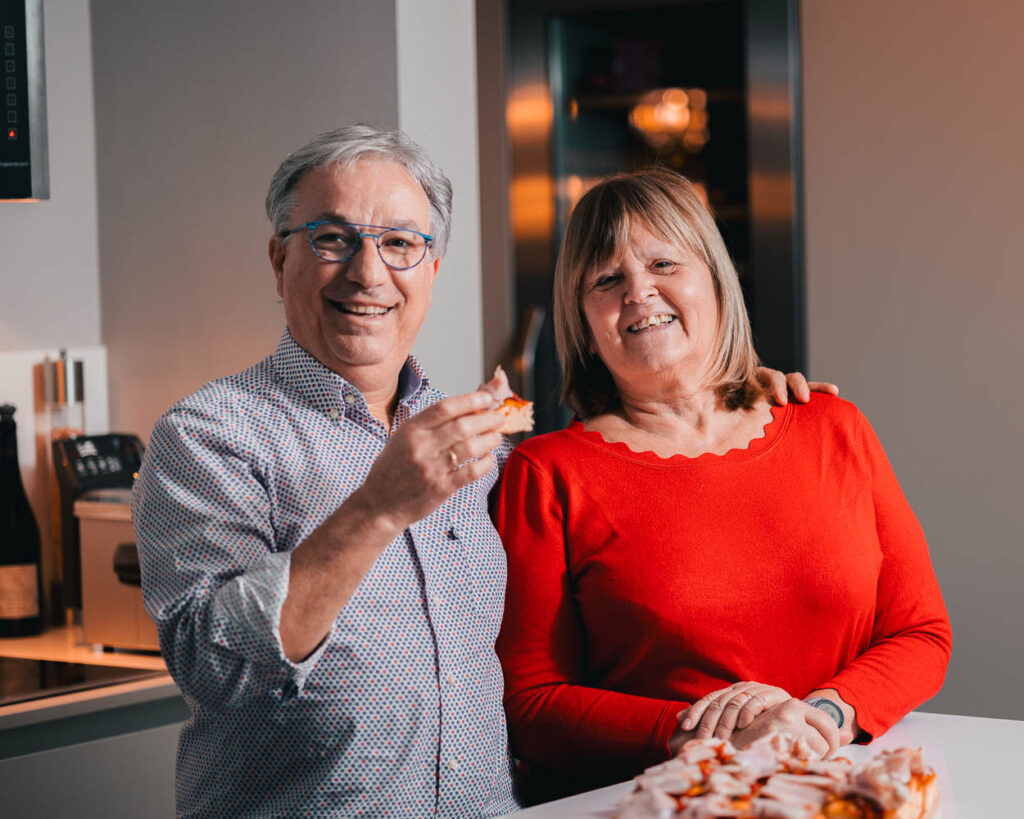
12	133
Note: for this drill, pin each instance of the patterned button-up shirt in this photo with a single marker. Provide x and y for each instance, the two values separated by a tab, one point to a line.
398	712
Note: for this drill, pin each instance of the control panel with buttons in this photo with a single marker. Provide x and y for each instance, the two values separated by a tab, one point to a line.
23	154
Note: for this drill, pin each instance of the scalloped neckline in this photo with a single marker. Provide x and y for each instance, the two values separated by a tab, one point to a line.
770	433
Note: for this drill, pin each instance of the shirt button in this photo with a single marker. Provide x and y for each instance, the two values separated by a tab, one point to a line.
350	398
453	764
333	413
438	601
451	679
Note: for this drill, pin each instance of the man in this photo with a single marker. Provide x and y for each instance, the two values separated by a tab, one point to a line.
313	532
317	557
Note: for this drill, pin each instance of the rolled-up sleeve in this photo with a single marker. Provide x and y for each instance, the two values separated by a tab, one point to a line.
212	578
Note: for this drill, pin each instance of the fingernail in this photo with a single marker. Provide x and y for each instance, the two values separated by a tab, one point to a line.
687	724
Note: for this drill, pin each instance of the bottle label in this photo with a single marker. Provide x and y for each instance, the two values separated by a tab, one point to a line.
19	594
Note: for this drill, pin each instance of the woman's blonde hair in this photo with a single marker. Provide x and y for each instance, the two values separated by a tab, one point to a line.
667	205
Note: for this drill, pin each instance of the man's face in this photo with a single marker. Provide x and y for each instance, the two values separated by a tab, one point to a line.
358	318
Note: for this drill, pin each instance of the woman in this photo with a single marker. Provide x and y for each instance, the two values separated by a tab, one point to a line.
685	543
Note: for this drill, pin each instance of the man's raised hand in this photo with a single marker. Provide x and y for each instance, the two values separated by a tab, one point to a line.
430	456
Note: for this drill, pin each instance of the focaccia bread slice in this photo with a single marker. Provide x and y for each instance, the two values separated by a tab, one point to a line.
517	411
779	777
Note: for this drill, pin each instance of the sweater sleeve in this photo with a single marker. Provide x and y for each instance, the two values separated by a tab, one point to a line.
555	720
911	638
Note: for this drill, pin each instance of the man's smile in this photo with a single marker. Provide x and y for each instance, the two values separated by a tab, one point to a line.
356	309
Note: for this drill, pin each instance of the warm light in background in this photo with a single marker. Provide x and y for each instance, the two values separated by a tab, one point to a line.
529	112
532	204
572	188
771	195
670	116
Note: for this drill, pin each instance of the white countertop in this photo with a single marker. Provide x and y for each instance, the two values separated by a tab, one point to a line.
979	763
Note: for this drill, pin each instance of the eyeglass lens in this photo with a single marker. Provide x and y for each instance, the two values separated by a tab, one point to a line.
398	248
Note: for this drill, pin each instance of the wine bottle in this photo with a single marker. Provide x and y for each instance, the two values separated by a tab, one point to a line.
21	597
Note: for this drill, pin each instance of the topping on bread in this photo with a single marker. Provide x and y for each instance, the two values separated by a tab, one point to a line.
778	777
518	413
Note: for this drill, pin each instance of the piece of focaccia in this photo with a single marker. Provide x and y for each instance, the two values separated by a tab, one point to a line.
778	777
518	412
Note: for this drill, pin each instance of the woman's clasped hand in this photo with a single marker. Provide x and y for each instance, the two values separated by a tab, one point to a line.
746	711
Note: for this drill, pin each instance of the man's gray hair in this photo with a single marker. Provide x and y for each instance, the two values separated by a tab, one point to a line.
344	146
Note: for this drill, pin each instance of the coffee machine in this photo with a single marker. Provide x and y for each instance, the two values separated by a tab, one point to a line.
100	563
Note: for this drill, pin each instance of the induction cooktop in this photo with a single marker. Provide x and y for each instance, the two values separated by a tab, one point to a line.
22	679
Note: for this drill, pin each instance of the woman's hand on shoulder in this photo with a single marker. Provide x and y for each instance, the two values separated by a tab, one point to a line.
721	712
780	385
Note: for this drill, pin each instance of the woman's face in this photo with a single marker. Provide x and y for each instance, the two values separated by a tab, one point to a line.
654	311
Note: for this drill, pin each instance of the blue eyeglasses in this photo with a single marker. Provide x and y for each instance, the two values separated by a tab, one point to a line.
332	241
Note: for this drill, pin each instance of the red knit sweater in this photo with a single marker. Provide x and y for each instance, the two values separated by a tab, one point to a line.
637	584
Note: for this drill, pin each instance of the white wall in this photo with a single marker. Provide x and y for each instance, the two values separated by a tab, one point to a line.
49	273
913	121
196	105
437	106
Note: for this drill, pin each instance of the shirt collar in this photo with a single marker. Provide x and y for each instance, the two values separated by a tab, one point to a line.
412	381
326	389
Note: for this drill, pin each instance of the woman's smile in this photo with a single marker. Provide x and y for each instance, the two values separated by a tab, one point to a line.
652	322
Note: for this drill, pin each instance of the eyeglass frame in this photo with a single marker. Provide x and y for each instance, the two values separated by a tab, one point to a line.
311	226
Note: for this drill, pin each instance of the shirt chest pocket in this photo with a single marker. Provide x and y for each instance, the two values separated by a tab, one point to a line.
480	569
463	565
